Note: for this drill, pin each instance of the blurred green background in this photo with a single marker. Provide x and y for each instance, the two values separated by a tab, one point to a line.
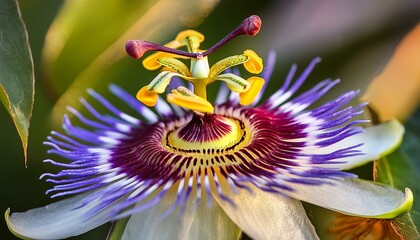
354	38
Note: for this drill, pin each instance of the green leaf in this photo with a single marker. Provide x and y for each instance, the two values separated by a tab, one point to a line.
85	44
16	69
402	169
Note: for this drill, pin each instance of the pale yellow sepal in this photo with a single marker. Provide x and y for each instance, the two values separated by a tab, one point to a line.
256	84
186	99
147	97
254	64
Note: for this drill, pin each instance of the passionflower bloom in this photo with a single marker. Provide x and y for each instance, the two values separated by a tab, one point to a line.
185	168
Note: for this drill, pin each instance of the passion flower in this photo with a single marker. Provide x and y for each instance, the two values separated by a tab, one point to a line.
185	168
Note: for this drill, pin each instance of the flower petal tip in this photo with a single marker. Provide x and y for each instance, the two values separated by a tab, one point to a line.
59	220
403	208
10	225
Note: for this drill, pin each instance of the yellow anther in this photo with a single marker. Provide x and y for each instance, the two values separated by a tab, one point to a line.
160	82
256	84
151	63
175	66
188	33
226	63
183	91
186	99
147	97
234	82
191	39
254	64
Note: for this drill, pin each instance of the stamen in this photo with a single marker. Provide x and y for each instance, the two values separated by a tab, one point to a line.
187	99
199	74
147	97
226	63
160	82
234	82
191	39
175	65
150	62
250	26
184	34
248	97
254	64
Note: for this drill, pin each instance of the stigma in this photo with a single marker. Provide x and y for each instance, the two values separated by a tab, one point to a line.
200	74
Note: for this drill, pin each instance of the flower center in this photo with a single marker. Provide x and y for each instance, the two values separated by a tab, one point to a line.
206	134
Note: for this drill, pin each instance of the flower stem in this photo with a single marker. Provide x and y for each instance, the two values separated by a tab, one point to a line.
200	88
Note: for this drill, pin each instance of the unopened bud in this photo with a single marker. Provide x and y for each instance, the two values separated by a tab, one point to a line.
135	48
251	25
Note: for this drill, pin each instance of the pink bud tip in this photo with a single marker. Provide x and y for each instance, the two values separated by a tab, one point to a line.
137	48
134	49
252	25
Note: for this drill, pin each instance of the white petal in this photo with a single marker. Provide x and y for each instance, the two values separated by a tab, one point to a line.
264	215
379	140
58	220
356	197
203	223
